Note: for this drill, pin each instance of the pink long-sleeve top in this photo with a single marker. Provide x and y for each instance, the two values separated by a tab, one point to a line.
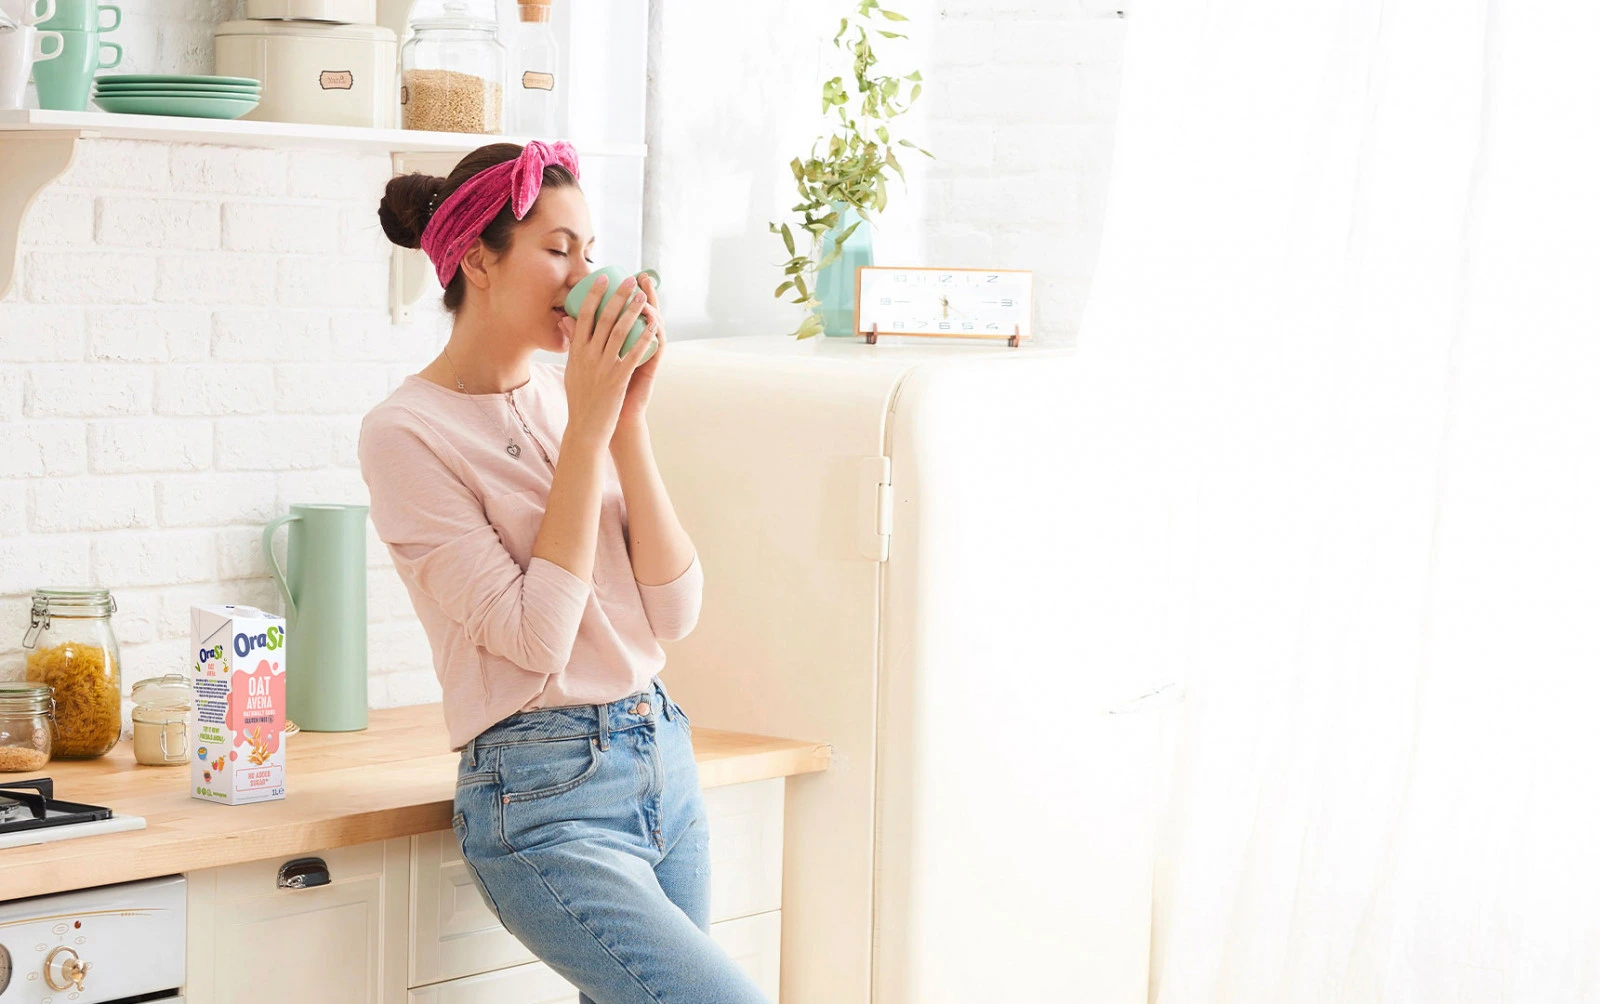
458	512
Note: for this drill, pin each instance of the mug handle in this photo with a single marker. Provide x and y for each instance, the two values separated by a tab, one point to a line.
272	560
113	8
115	62
38	18
655	277
39	55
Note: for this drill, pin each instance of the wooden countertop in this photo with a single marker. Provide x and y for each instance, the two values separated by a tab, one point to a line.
395	779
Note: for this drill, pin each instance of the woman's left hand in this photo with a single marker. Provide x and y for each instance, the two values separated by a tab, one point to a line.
637	399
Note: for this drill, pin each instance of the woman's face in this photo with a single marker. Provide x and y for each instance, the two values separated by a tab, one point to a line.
550	252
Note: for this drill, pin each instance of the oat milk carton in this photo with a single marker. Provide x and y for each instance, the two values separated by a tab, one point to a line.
239	700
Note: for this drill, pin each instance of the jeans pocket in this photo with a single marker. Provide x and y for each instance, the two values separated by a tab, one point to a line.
531	771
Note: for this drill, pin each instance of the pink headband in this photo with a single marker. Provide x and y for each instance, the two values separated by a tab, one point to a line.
460	219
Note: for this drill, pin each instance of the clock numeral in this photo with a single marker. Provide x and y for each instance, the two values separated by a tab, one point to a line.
1008	302
992	278
884	301
944	325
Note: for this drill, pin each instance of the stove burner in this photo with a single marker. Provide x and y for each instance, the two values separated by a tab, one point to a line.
29	805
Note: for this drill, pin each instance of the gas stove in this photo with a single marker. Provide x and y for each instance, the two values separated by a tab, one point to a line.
31	814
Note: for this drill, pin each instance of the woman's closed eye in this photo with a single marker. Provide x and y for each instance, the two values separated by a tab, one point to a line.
563	254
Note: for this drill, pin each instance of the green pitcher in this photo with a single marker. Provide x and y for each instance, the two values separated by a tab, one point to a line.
325	602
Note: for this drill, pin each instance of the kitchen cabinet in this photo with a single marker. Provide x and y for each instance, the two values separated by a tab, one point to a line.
400	921
250	940
753	942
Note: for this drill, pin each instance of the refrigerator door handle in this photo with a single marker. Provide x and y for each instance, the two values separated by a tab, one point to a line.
876	518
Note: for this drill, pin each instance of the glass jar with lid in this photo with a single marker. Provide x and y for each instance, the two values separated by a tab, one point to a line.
452	72
71	648
161	707
25	728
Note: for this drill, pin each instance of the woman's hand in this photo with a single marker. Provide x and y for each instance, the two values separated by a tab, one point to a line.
630	419
597	380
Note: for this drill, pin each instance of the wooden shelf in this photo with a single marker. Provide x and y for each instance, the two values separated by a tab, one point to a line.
239	132
37	146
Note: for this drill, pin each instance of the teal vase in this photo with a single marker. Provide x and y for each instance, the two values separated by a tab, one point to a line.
836	283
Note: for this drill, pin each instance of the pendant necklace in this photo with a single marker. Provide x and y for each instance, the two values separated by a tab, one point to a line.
511	444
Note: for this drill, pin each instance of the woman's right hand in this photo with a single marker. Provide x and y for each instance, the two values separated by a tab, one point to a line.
597	374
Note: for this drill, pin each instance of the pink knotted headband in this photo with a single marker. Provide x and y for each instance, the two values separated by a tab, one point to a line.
460	219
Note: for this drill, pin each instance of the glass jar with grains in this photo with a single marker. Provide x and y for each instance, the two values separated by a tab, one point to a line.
71	648
24	727
452	72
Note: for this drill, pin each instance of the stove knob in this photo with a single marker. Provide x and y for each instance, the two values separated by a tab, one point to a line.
63	970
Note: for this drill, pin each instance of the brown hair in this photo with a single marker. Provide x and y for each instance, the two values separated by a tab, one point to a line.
410	199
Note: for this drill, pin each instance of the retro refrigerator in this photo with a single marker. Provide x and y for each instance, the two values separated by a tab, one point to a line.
892	567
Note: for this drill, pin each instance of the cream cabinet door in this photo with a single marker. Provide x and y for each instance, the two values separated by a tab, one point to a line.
454	934
753	942
251	941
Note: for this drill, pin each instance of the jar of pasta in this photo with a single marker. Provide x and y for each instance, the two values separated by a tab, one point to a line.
70	647
24	727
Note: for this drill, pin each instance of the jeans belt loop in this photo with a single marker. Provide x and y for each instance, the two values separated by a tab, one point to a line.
472	752
603	712
666	702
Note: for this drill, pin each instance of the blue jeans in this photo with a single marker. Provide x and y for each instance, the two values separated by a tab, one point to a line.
585	830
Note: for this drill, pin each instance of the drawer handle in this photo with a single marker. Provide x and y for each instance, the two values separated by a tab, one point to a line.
303	873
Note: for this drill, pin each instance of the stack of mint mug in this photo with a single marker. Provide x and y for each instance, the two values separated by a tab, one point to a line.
64	81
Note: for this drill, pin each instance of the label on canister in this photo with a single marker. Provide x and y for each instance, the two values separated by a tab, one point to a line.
535	81
337	80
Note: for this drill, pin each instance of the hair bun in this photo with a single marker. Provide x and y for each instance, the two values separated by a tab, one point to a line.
407	205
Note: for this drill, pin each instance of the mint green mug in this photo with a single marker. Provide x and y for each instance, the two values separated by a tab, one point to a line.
64	81
325	604
83	15
614	277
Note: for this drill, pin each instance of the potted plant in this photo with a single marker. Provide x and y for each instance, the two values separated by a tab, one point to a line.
846	177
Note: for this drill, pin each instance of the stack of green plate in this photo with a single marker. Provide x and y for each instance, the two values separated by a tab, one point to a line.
196	97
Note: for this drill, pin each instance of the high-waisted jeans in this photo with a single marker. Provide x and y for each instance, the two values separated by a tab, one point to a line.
585	830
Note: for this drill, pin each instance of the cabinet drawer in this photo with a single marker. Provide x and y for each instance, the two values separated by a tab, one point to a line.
453	933
250	940
753	942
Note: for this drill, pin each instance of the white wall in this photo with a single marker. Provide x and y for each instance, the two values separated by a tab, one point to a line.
192	338
1019	109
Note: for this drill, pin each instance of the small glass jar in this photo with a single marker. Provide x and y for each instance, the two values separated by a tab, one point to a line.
452	73
71	648
161	707
25	727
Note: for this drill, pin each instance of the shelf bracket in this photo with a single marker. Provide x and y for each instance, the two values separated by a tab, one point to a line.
32	161
409	269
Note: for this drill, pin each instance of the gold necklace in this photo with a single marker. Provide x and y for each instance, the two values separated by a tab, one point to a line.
511	444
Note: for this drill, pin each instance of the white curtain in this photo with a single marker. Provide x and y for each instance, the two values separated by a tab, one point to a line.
1339	406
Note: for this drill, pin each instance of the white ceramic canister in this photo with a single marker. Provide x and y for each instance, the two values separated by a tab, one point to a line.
324	74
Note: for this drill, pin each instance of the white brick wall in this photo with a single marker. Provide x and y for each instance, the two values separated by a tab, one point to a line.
1020	107
194	335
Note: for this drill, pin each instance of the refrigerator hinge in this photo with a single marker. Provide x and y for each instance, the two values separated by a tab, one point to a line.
877	509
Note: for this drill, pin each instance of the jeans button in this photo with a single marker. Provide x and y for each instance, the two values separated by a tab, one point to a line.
642	708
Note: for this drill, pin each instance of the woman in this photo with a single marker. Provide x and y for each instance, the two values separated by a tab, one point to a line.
525	514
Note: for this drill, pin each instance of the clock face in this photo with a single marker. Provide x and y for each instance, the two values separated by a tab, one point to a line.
927	301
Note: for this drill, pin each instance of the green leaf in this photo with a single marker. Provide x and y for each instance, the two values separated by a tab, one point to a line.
800	287
883	134
891	15
890	34
915	75
783	289
844	26
916	92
